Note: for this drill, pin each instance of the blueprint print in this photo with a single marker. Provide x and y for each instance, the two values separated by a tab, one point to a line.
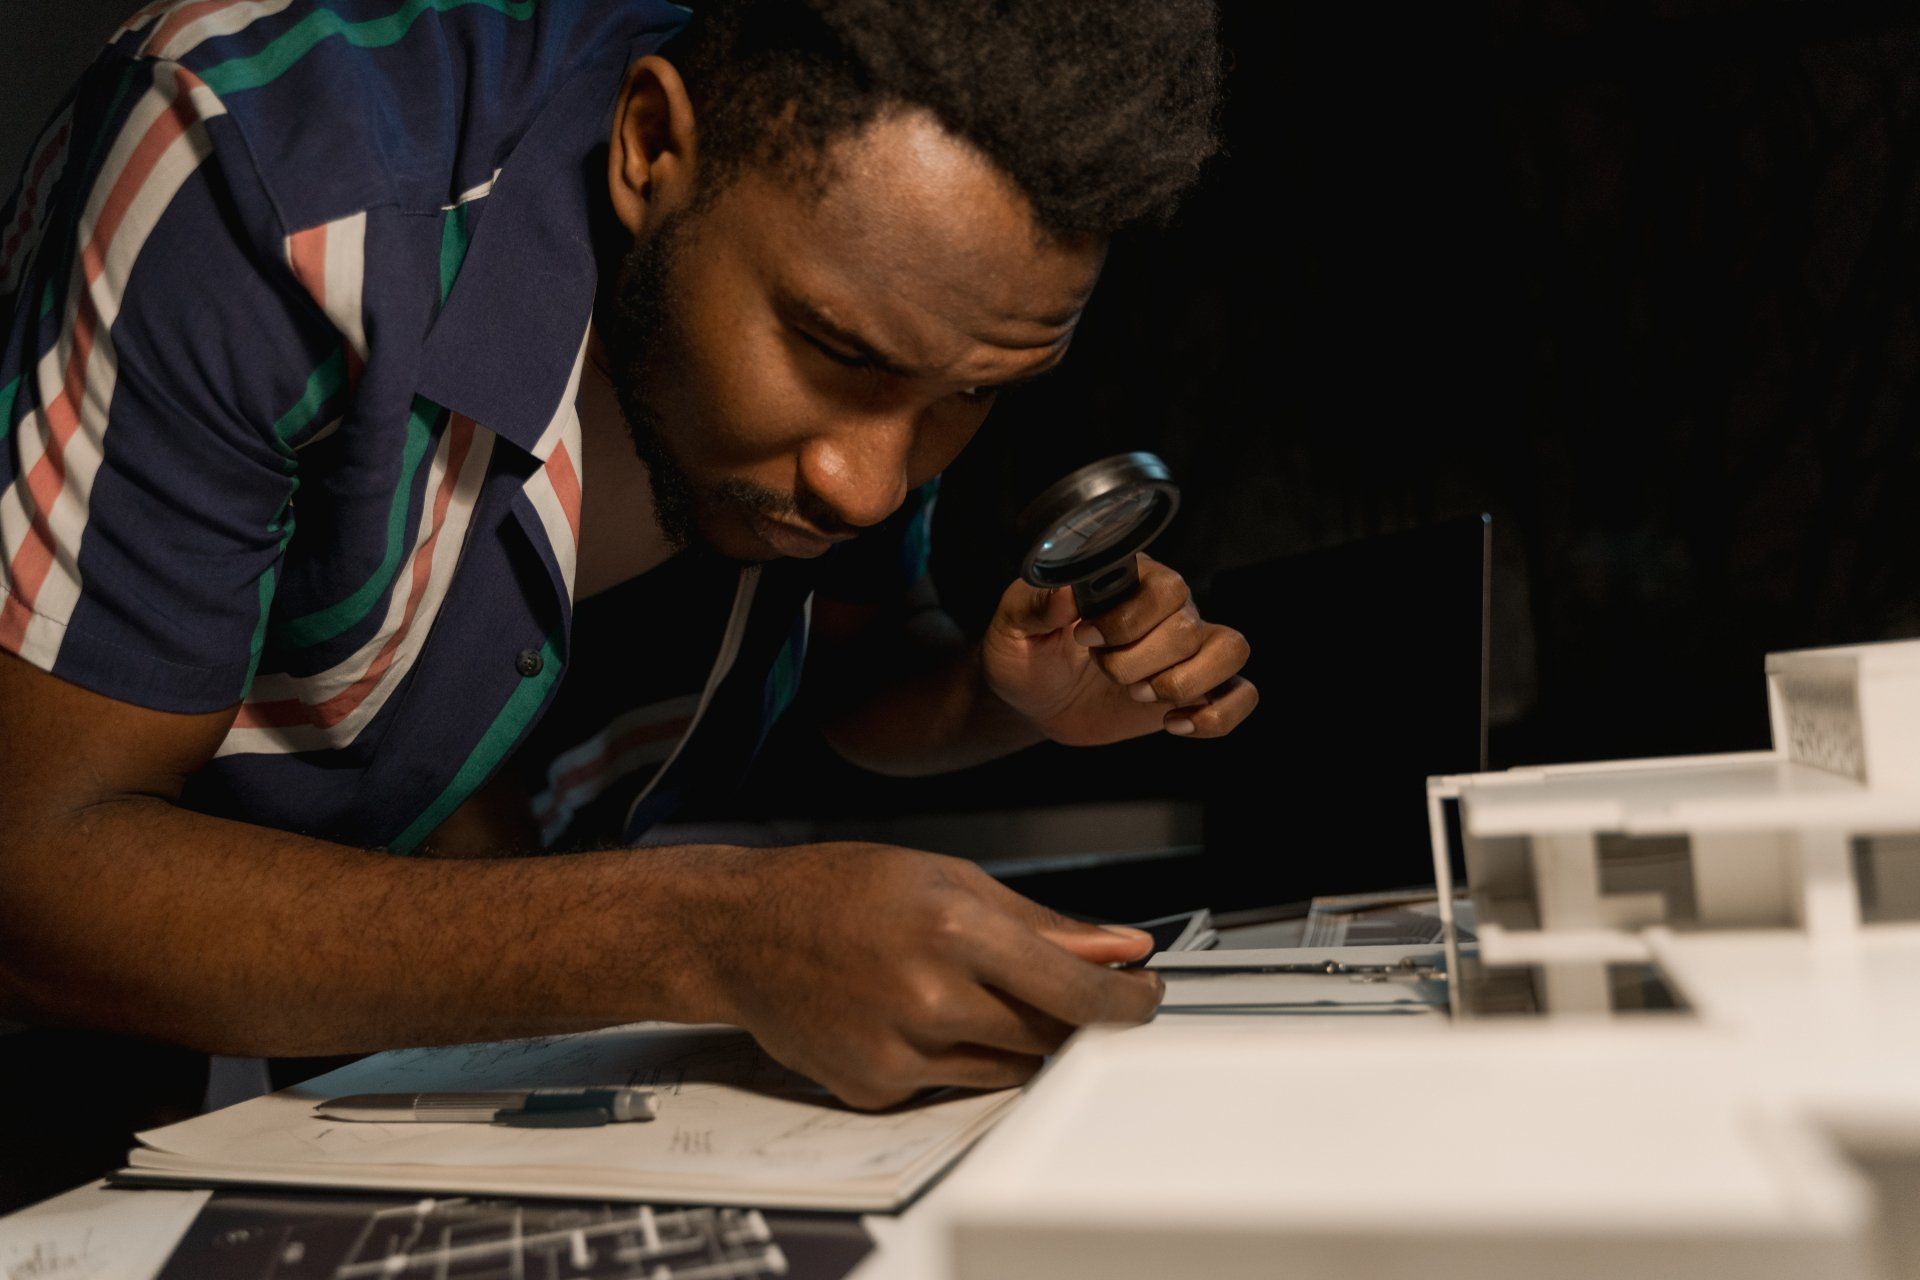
252	1236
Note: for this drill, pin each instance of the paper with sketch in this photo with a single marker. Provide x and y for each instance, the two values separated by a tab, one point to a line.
734	1127
92	1233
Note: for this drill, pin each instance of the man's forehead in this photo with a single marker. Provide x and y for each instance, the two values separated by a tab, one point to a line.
910	217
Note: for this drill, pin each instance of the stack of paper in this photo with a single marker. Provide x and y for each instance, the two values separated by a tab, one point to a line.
734	1128
1305	980
1183	931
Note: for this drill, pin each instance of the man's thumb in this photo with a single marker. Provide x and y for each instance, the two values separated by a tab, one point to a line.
1026	610
1099	943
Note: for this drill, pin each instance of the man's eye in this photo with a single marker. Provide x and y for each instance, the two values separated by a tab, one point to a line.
838	356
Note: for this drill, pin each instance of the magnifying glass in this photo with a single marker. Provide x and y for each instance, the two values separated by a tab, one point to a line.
1085	531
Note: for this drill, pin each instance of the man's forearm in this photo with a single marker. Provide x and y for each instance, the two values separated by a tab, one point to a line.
923	707
140	916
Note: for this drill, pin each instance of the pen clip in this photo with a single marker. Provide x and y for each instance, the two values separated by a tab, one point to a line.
576	1118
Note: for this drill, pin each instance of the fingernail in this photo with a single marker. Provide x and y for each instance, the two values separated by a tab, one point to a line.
1142	692
1088	634
1181	727
1131	935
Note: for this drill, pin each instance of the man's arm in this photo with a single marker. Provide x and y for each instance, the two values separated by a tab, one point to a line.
876	971
906	694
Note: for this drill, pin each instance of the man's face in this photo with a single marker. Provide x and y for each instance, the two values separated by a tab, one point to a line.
793	363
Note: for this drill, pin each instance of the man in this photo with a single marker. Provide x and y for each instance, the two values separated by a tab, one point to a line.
372	366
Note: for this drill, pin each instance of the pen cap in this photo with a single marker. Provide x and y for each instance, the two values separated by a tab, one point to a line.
616	1104
631	1104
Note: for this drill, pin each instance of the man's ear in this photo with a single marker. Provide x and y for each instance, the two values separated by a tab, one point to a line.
650	162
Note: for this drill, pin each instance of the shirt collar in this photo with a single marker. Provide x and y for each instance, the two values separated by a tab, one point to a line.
503	349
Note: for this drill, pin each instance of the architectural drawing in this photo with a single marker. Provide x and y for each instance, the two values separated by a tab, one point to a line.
282	1237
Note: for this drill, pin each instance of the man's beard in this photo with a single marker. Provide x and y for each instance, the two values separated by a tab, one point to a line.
641	330
639	318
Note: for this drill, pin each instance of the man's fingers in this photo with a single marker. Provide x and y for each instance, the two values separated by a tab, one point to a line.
971	1066
1097	943
1226	708
994	1020
1026	610
1223	651
1028	967
1101	943
1161	594
1177	638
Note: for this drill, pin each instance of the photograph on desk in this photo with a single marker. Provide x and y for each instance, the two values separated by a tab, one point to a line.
254	1236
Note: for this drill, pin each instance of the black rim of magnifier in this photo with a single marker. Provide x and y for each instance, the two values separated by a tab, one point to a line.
1090	483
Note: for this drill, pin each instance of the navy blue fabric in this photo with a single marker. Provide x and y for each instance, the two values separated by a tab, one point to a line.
356	261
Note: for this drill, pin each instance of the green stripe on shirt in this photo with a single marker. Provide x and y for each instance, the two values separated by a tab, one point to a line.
455	235
324	624
322	386
269	64
522	705
423	427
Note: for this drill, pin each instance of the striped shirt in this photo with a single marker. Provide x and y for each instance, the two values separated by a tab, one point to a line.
294	300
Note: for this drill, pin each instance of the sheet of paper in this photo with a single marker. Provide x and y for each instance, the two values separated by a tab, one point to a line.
727	1115
1364	919
1271	933
1192	989
1423	954
96	1234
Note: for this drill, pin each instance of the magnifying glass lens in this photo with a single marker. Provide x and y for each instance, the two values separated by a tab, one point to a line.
1102	523
1086	530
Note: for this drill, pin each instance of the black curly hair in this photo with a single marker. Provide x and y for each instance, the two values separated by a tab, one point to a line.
1101	111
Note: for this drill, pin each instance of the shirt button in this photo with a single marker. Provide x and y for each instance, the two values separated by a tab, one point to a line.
529	662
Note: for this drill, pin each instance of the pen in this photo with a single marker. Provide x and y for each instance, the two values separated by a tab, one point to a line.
523	1108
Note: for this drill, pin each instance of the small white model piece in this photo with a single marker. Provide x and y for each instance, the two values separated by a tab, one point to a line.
1817	834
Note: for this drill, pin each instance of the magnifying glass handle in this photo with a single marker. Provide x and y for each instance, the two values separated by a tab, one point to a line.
1100	593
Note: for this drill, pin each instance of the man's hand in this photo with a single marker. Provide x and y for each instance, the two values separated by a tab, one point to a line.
1148	663
879	972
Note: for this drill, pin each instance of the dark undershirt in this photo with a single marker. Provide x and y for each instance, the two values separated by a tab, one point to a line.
641	654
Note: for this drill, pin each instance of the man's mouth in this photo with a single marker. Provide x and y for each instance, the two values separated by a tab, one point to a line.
792	540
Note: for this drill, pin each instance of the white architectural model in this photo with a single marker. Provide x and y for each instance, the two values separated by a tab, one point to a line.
1815	835
1768	1127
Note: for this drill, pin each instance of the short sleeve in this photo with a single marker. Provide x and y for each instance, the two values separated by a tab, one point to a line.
159	362
887	559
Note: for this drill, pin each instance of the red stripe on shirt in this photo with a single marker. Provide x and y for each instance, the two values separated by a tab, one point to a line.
307	255
179	20
48	476
293	711
566	788
566	486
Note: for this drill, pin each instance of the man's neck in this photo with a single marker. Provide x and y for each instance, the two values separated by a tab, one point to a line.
620	537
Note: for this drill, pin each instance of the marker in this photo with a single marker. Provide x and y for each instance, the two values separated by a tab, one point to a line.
522	1108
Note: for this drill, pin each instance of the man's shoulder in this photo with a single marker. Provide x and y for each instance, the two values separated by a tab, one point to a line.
349	105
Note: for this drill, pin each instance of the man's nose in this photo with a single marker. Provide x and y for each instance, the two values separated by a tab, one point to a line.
860	472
